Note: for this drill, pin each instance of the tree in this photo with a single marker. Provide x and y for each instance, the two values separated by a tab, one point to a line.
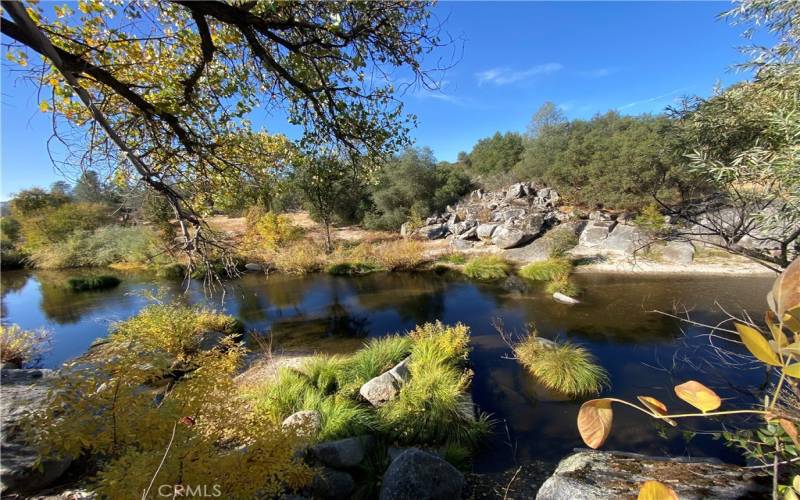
744	142
166	93
496	154
29	201
89	188
412	185
325	181
547	116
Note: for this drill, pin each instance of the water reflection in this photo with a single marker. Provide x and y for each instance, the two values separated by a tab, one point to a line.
645	353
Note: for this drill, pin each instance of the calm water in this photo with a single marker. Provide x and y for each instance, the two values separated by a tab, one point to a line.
644	352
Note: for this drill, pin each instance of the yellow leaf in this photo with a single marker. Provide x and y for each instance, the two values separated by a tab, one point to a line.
44	107
796	483
757	344
792	370
793	348
594	422
775	329
785	294
654	490
698	395
791	319
656	407
790	429
790	494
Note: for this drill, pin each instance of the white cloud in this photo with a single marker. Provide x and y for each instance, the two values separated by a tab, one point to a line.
504	76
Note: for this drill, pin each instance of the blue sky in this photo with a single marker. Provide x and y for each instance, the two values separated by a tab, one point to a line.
636	57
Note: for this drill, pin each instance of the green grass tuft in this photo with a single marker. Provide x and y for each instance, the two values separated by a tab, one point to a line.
566	368
563	284
546	270
93	283
453	258
487	268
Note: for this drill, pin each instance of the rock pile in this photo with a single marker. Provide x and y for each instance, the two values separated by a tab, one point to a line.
506	218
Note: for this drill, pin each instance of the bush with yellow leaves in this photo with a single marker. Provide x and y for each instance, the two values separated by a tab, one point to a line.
161	408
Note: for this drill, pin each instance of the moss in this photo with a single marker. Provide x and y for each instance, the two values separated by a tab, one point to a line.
487	268
93	283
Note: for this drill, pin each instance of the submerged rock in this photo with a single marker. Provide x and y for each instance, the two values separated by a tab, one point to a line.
24	391
254	267
593	475
565	299
417	475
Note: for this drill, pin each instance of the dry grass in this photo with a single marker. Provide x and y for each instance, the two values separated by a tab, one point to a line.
566	368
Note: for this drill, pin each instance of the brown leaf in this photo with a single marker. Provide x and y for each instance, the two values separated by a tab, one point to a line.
594	422
786	289
698	395
656	407
790	429
654	490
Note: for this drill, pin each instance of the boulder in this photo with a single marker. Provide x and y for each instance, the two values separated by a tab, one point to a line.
595	233
380	390
254	267
433	231
508	214
417	475
343	453
469	234
307	422
507	236
624	239
485	231
607	475
406	228
680	252
24	391
454	219
400	371
332	484
461	244
515	191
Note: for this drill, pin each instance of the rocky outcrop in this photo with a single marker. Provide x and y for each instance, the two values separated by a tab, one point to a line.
506	218
24	391
418	475
681	252
593	475
332	484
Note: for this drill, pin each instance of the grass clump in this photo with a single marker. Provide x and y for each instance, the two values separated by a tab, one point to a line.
546	270
563	284
176	329
93	283
453	258
299	259
566	368
486	268
22	347
431	408
400	255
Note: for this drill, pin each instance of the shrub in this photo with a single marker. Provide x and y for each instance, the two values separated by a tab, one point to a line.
270	230
651	219
200	432
175	328
566	368
486	267
400	255
102	247
93	283
546	270
299	259
22	347
563	284
55	224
